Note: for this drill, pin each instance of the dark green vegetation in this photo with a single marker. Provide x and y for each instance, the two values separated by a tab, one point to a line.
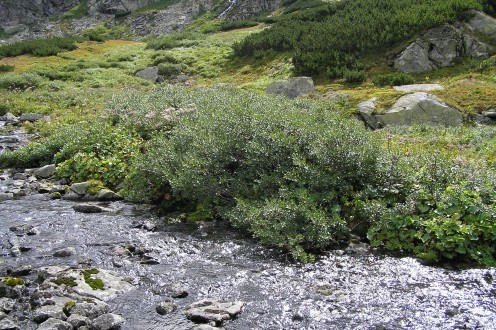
331	38
6	68
39	47
67	281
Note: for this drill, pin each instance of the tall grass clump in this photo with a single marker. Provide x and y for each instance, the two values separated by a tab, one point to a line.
336	34
21	81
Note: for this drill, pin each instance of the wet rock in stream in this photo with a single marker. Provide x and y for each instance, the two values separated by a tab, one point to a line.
213	310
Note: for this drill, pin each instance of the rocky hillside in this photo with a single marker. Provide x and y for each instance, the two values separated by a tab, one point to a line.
36	18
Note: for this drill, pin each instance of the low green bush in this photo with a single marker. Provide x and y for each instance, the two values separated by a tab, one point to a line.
21	81
6	68
39	47
88	150
393	79
228	25
438	208
168	69
354	76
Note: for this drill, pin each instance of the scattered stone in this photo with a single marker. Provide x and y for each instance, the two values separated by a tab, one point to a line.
292	87
359	248
366	109
165	307
55	324
107	195
150	73
6	196
418	88
20	176
9	118
218	311
79	188
45	172
88	208
490	113
108	322
31	117
178	291
204	327
46	312
65	252
441	46
414	59
24	229
71	195
91	309
325	290
7	304
8	324
483	25
77	321
20	271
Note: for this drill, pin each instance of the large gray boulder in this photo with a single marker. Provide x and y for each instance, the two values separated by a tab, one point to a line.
483	26
445	45
292	87
414	59
441	46
420	108
45	172
150	73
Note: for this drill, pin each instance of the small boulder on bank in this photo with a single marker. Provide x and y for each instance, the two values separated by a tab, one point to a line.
45	172
292	87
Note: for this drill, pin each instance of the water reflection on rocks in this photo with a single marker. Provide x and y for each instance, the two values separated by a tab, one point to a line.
353	288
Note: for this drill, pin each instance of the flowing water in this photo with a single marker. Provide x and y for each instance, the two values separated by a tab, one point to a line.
341	291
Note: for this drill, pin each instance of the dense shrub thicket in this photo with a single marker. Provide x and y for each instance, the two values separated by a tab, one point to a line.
39	47
294	174
393	79
334	35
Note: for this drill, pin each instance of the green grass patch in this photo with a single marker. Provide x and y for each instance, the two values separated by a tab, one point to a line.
78	11
91	280
13	281
67	281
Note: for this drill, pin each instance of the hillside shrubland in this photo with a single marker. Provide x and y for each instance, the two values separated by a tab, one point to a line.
331	38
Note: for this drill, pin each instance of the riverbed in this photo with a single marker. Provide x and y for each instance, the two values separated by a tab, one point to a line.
354	288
